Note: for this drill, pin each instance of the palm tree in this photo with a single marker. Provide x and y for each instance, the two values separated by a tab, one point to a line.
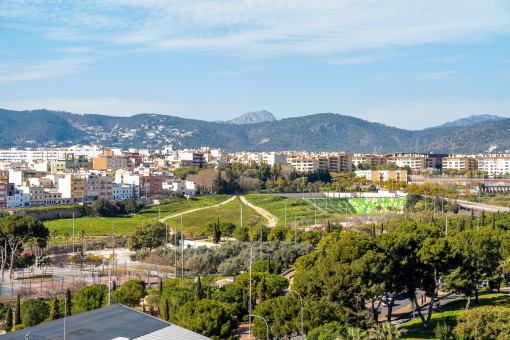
81	233
54	234
353	334
66	236
386	332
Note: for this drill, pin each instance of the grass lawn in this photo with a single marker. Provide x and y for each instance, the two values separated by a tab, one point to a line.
295	206
452	310
230	212
127	224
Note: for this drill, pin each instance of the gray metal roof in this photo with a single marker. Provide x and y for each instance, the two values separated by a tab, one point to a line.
105	323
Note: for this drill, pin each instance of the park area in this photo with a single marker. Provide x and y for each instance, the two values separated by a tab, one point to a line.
360	205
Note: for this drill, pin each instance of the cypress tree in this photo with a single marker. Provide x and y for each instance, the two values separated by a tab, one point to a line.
160	286
328	228
460	226
323	251
483	217
494	221
17	316
245	300
54	309
8	320
382	228
165	311
198	289
268	264
208	292
114	285
262	289
69	302
277	269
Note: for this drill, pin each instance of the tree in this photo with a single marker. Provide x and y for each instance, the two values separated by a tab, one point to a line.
132	206
17	316
131	292
198	289
262	289
208	317
103	207
54	309
354	334
34	312
205	179
89	298
277	234
165	310
242	233
15	230
68	302
147	236
483	323
54	234
8	320
328	331
386	331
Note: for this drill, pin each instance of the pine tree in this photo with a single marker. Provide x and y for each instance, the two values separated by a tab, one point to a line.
198	289
160	286
17	316
69	302
54	309
8	320
262	289
165	311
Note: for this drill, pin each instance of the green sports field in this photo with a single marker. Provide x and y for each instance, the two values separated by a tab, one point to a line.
360	205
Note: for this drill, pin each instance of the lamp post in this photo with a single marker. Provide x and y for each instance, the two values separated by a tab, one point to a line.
301	298
267	326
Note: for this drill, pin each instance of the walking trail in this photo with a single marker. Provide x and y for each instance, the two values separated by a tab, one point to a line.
197	209
270	217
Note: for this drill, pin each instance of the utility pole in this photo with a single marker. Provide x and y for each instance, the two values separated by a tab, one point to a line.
166	232
249	306
295	229
175	251
261	241
113	245
285	214
446	225
73	232
182	253
315	215
241	214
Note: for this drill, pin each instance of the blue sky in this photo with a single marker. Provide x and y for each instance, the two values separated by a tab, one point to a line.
409	64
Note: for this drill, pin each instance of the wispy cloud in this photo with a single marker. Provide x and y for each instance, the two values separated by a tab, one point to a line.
41	70
263	28
109	106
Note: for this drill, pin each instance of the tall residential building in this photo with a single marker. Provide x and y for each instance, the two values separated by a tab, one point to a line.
460	163
494	164
383	175
3	194
414	161
371	160
305	164
98	185
111	162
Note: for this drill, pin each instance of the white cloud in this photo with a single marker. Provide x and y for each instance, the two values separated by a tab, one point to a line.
106	106
261	28
436	75
41	70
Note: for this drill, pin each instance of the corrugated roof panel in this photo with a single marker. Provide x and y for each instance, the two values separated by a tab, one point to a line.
172	332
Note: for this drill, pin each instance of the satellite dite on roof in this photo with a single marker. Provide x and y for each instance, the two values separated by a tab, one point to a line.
116	322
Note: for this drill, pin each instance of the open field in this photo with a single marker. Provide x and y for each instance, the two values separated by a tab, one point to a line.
128	223
301	208
230	212
452	310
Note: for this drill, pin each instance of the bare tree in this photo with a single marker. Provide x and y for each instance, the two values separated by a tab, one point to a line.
205	179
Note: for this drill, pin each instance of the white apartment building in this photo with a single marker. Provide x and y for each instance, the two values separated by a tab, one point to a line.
459	162
415	162
19	199
274	158
305	164
494	164
124	191
383	175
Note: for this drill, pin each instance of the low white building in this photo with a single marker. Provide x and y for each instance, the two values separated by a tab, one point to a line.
19	199
124	191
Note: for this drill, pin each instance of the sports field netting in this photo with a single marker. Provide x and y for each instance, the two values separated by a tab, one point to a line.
360	205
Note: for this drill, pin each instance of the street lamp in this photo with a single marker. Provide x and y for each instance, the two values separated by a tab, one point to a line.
267	326
301	298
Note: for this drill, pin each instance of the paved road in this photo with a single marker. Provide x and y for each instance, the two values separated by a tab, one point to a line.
481	206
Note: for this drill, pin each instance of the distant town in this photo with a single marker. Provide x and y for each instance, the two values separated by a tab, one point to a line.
50	176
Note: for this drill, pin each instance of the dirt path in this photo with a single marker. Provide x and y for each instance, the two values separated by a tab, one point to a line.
197	209
269	217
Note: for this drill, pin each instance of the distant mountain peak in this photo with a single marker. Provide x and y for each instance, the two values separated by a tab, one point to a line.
253	117
471	120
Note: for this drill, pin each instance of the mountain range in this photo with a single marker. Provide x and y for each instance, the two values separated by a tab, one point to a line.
317	132
252	117
471	120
